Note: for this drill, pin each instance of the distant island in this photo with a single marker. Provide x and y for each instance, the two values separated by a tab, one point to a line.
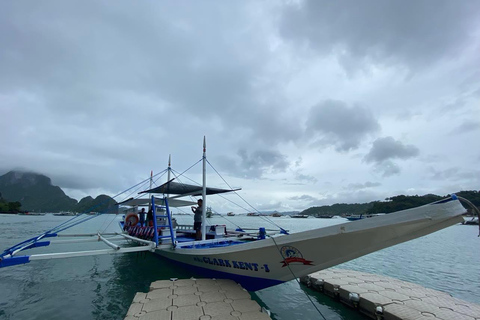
392	204
27	191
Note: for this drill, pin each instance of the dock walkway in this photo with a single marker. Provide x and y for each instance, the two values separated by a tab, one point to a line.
385	298
195	299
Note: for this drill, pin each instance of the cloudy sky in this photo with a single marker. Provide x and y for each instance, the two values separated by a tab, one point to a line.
302	102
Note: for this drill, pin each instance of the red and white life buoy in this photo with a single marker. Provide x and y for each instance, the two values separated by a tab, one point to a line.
131	219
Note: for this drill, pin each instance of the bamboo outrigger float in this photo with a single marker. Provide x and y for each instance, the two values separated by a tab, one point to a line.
258	260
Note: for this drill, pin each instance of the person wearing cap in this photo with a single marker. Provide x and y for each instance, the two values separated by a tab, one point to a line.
142	217
197	219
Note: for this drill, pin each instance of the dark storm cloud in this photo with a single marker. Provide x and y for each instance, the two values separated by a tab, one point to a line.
339	125
91	79
255	164
466	127
94	49
414	33
164	66
387	148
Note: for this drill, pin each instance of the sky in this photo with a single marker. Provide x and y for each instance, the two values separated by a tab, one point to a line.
302	103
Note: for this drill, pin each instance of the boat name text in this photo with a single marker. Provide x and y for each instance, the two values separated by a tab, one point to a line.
233	264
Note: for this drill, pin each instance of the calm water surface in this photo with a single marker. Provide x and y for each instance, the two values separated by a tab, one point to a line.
103	287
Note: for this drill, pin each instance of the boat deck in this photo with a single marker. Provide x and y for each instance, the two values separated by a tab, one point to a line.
195	299
381	297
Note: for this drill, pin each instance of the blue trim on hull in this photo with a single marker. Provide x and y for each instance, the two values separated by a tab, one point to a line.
248	283
13	261
453	197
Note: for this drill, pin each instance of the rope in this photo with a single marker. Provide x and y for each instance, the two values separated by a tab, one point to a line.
474	209
262	217
218	195
296	279
139	186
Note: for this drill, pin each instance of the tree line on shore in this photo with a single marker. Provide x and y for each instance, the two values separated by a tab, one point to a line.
392	204
9	207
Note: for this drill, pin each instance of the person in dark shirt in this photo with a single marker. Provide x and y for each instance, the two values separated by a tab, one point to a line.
149	221
142	217
197	219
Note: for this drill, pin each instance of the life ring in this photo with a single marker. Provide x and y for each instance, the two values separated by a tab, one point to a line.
131	219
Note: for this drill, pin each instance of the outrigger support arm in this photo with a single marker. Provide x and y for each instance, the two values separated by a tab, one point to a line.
12	261
108	243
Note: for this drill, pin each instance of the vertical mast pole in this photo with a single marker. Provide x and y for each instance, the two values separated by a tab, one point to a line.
204	190
150	195
169	166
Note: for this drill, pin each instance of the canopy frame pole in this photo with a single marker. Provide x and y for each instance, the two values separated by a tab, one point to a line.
204	190
154	212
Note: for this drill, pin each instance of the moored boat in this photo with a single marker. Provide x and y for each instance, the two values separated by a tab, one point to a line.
324	216
301	216
257	258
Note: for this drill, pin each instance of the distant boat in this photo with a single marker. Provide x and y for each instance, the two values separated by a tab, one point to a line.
355	217
473	221
64	214
324	216
300	216
230	214
31	214
253	214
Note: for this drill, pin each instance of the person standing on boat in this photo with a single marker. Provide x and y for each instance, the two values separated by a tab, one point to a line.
142	217
197	220
149	221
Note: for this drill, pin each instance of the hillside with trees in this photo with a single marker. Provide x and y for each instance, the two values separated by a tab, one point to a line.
392	204
9	207
338	209
36	193
403	202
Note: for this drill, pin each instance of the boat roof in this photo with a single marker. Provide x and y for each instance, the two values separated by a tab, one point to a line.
181	189
159	201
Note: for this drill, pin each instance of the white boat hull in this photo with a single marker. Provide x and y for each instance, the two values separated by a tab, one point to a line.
263	263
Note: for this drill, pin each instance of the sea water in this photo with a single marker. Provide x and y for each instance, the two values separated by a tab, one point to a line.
102	287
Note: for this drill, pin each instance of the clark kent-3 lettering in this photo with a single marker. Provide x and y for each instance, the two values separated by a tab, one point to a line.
233	264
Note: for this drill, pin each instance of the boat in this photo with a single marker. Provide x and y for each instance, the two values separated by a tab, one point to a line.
64	214
230	214
31	213
324	216
302	216
355	217
473	221
257	258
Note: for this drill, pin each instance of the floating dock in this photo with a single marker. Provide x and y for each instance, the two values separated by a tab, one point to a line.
195	299
385	298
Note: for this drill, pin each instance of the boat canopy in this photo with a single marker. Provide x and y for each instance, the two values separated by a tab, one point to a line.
159	201
182	189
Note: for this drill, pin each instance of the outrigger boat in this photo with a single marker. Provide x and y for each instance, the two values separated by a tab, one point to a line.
255	259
